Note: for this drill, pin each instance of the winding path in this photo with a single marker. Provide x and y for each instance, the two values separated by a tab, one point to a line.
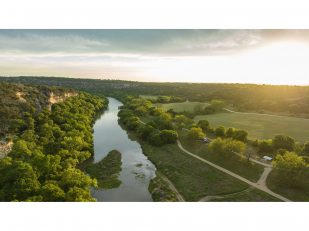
261	184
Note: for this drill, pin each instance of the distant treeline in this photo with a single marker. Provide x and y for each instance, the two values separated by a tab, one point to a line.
244	97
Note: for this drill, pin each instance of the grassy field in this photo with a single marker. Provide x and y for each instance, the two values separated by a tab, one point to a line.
234	163
261	126
182	107
295	194
193	178
148	96
251	194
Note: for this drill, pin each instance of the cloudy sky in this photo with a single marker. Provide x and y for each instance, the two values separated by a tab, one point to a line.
241	56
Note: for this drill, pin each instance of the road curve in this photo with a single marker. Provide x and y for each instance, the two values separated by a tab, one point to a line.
259	185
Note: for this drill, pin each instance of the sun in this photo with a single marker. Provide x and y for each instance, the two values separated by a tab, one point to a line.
276	63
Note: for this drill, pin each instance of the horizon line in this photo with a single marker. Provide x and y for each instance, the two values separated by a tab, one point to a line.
98	78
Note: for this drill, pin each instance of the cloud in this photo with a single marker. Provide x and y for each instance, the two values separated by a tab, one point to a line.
129	42
157	55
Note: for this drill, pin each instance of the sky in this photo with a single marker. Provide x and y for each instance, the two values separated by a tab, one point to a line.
217	56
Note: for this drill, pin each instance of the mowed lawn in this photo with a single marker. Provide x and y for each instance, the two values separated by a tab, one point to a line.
261	126
185	106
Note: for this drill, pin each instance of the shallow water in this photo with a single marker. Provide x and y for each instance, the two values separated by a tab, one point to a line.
137	170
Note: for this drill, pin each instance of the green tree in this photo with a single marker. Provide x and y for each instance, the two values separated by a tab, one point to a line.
291	168
20	149
76	194
203	124
240	135
155	138
217	105
52	192
227	146
144	131
18	180
265	146
181	119
220	131
283	142
230	132
196	133
235	146
72	177
169	136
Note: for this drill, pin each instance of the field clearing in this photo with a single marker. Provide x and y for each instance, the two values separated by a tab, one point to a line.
149	96
185	106
261	126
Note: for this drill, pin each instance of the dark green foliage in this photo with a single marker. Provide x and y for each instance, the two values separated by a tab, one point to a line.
169	136
265	147
42	163
203	124
107	170
226	147
195	133
160	190
283	142
220	131
18	180
290	176
158	131
230	132
306	149
155	139
144	130
240	135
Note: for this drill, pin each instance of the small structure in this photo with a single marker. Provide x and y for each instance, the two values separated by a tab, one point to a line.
205	140
268	158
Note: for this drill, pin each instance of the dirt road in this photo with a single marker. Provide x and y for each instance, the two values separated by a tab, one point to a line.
261	185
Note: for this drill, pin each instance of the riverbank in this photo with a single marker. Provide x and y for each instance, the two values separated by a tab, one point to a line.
106	171
162	190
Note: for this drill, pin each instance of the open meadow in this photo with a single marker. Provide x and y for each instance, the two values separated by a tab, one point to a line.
185	106
261	126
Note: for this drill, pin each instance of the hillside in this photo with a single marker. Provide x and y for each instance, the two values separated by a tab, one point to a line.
289	100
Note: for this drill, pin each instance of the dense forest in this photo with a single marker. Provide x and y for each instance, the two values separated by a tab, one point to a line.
293	100
18	103
49	144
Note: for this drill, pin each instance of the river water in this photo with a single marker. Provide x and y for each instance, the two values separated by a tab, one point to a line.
137	170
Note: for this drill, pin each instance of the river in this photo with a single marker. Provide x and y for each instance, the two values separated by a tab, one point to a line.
136	171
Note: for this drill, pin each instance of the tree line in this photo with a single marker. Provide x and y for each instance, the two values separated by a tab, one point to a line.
293	100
